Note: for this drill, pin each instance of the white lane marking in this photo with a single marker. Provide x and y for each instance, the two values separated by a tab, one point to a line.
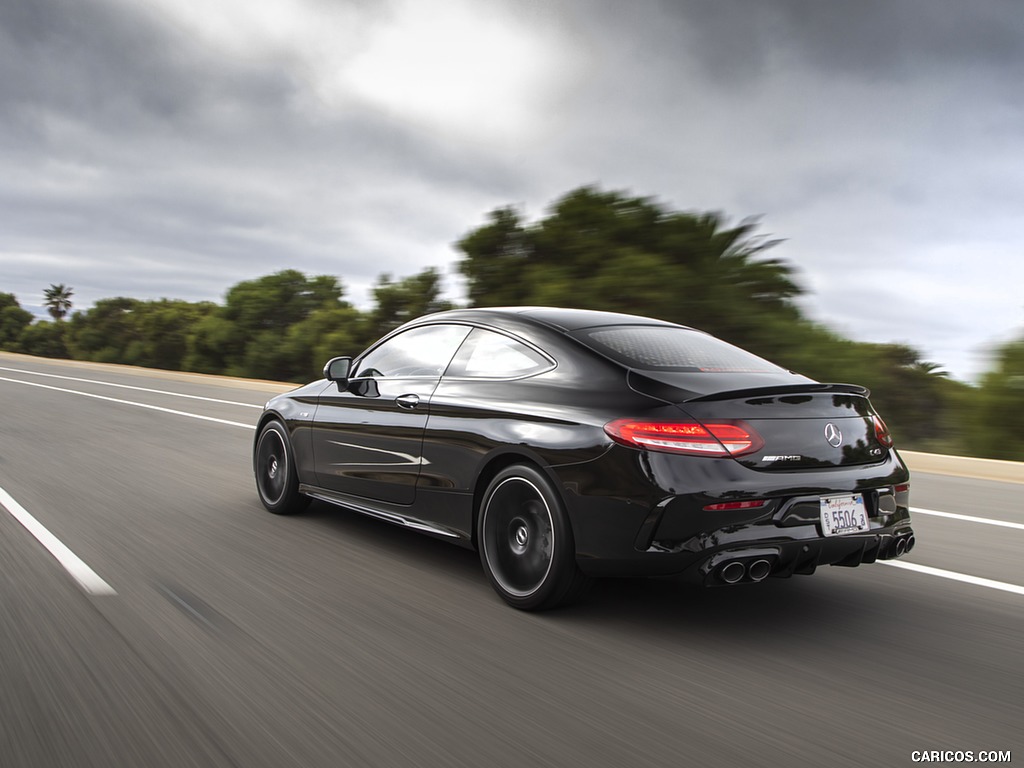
953	575
130	402
73	564
129	386
44	534
967	518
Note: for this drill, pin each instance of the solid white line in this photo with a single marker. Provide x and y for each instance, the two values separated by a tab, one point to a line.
953	575
73	564
129	386
95	585
967	518
131	402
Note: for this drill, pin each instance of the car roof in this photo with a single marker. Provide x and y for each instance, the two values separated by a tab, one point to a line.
563	319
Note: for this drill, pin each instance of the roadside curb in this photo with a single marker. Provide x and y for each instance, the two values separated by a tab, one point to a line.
965	466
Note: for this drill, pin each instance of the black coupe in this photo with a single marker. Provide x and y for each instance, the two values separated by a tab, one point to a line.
566	444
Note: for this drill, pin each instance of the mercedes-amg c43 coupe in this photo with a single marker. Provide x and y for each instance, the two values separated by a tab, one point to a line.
566	444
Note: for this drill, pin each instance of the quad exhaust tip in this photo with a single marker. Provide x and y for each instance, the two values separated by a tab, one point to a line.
902	544
759	570
733	572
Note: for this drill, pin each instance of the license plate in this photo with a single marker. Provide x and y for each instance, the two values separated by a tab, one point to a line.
841	515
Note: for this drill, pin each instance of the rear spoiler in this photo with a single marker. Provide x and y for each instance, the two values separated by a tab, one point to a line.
782	389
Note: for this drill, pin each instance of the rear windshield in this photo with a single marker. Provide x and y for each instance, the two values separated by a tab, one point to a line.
652	347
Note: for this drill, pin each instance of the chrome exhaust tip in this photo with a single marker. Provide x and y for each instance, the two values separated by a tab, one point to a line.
759	570
901	547
910	543
732	572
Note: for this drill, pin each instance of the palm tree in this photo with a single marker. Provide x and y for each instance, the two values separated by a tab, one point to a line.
58	300
933	369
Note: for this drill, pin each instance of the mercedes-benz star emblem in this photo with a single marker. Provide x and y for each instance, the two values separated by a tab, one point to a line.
833	435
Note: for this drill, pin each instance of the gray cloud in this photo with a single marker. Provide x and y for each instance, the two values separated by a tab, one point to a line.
156	150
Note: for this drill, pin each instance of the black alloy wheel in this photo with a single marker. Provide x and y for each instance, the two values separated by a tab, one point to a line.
276	479
526	545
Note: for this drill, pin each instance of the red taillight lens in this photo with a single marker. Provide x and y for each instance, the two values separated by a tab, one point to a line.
882	431
718	439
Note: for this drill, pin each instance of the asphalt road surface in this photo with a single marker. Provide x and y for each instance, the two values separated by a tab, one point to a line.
195	629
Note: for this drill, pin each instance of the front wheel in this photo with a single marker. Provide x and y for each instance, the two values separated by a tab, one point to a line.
526	544
276	478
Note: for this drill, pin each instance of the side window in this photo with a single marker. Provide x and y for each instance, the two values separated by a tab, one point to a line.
423	351
489	355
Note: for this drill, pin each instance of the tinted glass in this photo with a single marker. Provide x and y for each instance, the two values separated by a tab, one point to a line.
423	351
674	349
489	355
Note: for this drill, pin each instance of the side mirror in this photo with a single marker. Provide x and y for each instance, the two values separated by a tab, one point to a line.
337	369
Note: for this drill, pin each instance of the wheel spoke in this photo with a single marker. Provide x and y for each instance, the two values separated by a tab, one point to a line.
271	466
518	536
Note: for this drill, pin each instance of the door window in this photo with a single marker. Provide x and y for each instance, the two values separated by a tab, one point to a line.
423	351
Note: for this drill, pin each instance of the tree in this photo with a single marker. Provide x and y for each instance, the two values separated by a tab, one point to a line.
257	315
57	300
275	302
45	339
613	251
211	342
161	330
997	427
609	250
401	301
496	255
300	353
104	331
13	322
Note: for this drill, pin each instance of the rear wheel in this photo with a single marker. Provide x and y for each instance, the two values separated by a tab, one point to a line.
276	478
526	544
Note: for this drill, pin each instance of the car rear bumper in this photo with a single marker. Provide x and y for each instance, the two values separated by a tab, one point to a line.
665	529
707	559
784	559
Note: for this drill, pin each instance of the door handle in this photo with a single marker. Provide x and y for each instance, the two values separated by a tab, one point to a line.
407	401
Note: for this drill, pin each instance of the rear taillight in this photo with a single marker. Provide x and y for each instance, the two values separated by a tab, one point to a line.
728	506
732	438
882	431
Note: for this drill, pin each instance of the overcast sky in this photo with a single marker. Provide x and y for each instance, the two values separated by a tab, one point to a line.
171	148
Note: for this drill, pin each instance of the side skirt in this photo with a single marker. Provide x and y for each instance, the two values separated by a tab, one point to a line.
365	507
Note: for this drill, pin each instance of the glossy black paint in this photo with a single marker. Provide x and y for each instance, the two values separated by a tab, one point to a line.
419	450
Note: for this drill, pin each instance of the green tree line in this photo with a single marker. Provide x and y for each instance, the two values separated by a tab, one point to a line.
593	249
282	326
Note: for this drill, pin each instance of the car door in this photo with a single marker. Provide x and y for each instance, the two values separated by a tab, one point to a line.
368	432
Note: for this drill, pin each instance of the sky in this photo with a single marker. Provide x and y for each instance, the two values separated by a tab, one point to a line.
172	149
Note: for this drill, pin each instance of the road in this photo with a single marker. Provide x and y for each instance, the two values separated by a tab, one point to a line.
214	634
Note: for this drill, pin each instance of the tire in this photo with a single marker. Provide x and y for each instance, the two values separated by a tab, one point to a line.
274	465
525	541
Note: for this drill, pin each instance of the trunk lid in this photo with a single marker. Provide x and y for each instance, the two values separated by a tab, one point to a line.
815	427
803	425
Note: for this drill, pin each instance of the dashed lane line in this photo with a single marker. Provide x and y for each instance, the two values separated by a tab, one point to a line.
73	564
